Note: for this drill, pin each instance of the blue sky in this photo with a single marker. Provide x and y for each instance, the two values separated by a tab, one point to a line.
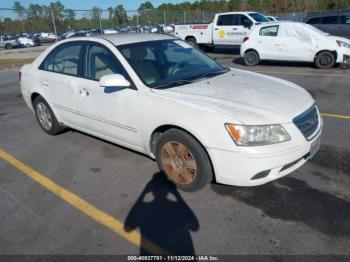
87	4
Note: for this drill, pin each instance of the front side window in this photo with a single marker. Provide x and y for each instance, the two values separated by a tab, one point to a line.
64	60
160	63
269	31
226	20
99	61
242	20
329	20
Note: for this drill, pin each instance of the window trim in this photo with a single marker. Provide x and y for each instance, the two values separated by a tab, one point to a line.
57	49
278	29
81	61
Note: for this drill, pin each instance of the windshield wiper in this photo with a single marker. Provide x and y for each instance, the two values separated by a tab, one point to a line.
175	83
211	74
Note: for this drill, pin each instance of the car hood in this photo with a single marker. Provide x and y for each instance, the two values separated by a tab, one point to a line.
247	92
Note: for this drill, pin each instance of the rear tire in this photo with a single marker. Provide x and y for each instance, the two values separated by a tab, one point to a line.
183	160
325	60
46	118
192	41
8	46
251	58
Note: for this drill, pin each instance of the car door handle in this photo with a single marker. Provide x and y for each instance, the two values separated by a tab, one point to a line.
84	92
216	28
235	29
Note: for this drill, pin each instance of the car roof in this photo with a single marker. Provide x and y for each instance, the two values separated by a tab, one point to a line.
130	38
327	13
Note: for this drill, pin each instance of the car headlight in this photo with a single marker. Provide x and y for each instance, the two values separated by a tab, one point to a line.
244	135
343	44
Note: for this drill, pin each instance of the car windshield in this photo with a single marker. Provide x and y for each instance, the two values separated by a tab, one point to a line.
315	30
259	17
167	63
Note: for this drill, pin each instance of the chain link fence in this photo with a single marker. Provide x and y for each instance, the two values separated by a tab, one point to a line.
60	21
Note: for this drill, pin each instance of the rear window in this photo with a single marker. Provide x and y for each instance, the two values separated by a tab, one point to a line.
225	20
313	21
345	19
329	20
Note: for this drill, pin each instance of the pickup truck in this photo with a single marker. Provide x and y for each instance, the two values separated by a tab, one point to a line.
227	29
7	43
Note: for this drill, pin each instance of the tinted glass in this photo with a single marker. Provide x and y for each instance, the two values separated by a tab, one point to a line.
64	60
315	20
159	63
241	20
259	17
225	20
100	62
269	31
329	20
345	19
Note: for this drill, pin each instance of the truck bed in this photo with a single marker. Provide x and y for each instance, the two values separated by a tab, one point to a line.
202	32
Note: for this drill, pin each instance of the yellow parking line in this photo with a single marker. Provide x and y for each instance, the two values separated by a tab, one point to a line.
298	73
101	217
336	116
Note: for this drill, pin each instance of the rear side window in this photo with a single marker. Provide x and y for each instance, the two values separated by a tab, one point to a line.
329	20
64	60
269	31
100	61
225	20
313	21
345	19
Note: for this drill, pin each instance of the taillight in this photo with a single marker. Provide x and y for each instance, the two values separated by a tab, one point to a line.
245	39
20	76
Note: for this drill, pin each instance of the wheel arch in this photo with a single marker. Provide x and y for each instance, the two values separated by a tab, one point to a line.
163	128
334	52
252	49
190	36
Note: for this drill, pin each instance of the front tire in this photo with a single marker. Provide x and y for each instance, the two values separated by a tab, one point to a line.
46	118
8	46
251	58
325	60
183	160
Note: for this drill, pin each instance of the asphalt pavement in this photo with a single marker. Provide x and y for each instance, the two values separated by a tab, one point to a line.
307	212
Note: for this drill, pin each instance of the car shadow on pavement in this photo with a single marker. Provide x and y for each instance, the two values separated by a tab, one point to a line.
292	199
163	218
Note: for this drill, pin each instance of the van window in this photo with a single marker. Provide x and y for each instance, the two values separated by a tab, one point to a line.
225	20
269	31
345	19
313	21
329	20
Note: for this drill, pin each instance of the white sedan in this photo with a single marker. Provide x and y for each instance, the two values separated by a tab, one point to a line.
159	96
292	41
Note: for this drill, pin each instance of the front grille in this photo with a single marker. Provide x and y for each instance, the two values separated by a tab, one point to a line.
307	122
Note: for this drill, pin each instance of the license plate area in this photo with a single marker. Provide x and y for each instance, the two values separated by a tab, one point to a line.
315	147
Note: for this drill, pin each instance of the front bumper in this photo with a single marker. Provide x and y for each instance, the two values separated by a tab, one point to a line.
343	56
240	167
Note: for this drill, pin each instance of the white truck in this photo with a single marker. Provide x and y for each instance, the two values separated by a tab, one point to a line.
227	29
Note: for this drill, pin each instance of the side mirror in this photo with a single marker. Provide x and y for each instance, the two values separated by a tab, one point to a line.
113	83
